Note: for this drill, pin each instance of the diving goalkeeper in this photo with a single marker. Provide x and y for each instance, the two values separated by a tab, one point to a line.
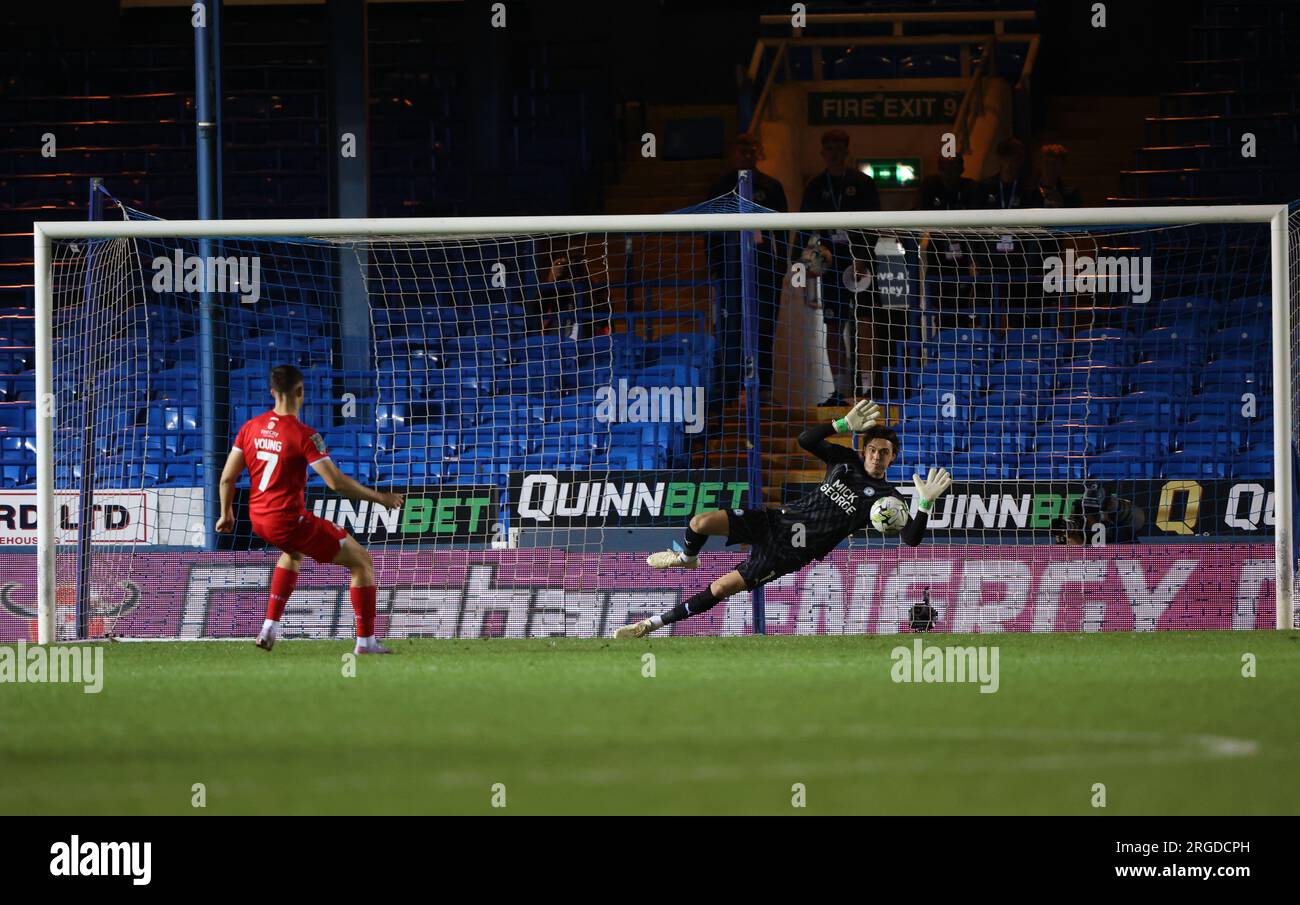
785	540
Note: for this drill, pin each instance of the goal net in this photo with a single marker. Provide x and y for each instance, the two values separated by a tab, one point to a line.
556	398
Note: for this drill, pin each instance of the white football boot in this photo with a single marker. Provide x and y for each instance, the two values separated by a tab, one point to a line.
636	629
675	558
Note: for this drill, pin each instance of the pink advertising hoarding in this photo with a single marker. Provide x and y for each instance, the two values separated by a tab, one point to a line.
534	593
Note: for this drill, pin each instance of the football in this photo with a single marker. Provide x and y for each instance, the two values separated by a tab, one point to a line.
888	515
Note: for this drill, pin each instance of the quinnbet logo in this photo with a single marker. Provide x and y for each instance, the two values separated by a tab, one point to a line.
468	513
623	499
983	507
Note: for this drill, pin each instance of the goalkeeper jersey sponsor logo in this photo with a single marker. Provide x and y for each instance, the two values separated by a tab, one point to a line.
832	511
842	495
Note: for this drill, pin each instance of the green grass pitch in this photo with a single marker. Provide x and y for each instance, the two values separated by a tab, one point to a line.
1165	721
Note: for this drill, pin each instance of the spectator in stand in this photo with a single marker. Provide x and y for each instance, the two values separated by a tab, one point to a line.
1006	190
948	190
1053	191
769	262
1014	264
567	302
842	187
946	259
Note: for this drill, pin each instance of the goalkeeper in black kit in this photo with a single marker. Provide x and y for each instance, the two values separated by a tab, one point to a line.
785	540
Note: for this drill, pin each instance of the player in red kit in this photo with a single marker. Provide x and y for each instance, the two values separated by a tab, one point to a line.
277	448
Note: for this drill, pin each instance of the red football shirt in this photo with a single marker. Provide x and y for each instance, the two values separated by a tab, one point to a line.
277	450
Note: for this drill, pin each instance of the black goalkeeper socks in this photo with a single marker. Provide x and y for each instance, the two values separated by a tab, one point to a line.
700	603
693	542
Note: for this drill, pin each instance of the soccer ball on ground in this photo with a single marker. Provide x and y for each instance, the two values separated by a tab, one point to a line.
888	515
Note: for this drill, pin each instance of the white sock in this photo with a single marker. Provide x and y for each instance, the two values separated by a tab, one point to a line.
657	622
270	627
368	641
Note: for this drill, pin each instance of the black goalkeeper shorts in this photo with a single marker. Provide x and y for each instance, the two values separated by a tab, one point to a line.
770	552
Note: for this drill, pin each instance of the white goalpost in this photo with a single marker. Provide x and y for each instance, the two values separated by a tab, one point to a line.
556	311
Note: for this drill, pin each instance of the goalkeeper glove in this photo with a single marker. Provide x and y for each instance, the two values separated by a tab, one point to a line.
935	485
863	416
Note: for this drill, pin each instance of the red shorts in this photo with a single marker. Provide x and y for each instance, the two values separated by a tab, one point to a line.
308	534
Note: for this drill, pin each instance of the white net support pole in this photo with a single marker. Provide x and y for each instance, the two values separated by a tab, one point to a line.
45	544
1284	558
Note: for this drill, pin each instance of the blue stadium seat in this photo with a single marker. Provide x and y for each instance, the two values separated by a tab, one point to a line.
981	466
459	383
1257	434
1005	409
1095	378
1119	462
182	473
927	410
1224	407
1018	375
935	384
1195	463
933	444
637	458
13	415
1256	465
595	350
1245	340
1000	443
1182	342
1151	439
1105	345
1147	405
1236	376
676	345
628	350
1201	308
16	475
1037	345
1167	377
1249	309
1071	439
1080	408
960	344
531	377
664	373
1056	467
391	416
1199	440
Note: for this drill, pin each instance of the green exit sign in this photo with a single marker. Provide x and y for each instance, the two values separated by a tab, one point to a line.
892	172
